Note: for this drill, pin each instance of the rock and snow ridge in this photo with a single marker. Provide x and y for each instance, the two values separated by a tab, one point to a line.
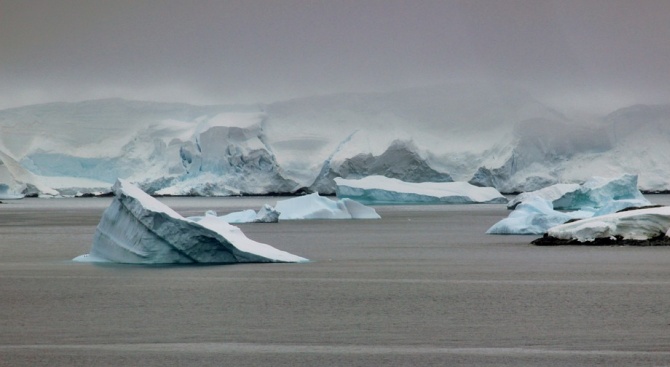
138	229
488	135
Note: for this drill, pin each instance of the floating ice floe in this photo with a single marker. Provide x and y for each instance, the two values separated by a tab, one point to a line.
595	193
384	190
648	226
138	229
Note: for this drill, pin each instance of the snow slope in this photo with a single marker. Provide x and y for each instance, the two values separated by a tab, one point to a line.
487	134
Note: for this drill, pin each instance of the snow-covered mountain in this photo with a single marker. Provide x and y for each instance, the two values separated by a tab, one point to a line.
489	135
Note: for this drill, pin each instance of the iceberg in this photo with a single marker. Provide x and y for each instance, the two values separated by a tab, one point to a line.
537	211
7	194
535	216
138	229
314	206
384	190
595	193
648	226
266	214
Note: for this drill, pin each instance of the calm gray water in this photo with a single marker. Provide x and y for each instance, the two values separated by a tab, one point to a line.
422	286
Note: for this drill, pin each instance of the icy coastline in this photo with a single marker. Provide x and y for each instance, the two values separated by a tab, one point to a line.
492	136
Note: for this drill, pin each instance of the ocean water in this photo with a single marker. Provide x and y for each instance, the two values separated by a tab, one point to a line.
422	286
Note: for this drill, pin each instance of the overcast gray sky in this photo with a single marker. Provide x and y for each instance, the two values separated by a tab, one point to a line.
570	52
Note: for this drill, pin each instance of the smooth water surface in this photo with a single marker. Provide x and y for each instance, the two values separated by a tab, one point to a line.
422	286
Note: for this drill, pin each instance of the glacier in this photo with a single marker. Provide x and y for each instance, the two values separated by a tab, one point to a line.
537	211
138	229
384	190
649	226
488	134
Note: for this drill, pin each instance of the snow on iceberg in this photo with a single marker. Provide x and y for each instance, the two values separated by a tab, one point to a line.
534	216
650	226
384	190
138	229
313	206
594	193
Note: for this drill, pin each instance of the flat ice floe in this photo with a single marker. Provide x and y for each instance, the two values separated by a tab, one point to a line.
650	226
138	229
384	190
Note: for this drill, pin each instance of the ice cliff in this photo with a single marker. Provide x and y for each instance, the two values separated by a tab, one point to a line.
138	229
492	135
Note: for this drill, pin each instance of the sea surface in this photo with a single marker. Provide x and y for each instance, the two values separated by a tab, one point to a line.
423	286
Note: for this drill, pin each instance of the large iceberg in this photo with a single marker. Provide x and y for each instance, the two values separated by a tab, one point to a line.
537	211
649	226
314	206
535	216
138	229
384	190
592	194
